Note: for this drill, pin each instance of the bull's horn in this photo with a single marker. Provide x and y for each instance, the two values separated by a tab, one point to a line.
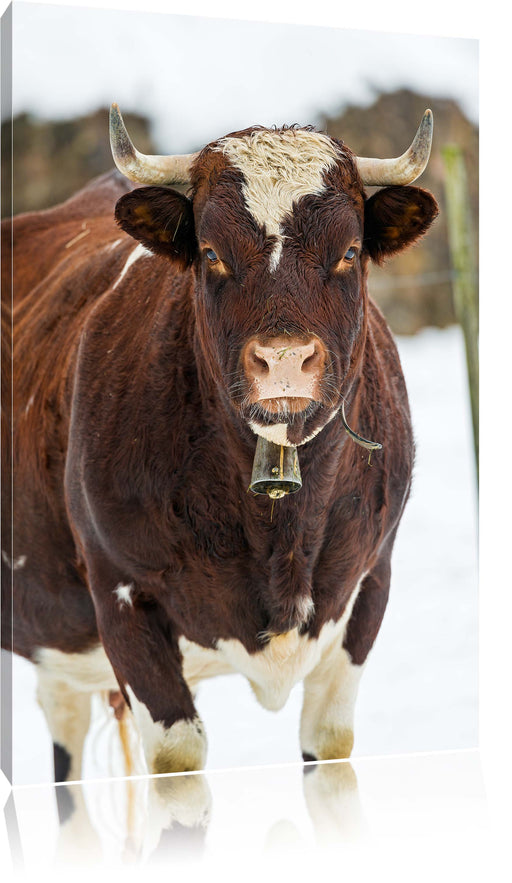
404	169
145	169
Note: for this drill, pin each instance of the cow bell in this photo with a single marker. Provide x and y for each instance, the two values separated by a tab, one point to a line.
275	470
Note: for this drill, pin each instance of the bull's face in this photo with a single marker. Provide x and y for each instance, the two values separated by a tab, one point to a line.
279	234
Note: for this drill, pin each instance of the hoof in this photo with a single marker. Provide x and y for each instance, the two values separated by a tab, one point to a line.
309	759
61	762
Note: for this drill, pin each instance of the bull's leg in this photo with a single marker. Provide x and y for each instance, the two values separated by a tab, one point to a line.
174	741
143	649
68	714
330	691
327	721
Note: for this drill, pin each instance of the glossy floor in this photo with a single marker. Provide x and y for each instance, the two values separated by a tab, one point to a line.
339	815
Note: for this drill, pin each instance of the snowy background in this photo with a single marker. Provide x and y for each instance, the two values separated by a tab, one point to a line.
425	815
419	689
199	78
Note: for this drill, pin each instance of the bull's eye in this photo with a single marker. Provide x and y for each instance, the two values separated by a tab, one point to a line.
212	257
347	260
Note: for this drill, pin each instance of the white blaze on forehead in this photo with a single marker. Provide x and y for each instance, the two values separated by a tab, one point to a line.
279	168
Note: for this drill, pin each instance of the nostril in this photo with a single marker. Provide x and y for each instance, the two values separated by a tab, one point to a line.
256	362
261	364
312	362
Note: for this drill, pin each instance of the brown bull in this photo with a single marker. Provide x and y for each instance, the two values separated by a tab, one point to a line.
144	375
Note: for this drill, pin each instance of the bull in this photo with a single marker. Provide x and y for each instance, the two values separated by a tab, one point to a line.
212	445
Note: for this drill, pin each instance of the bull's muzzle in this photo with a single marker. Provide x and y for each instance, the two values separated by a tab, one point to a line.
285	372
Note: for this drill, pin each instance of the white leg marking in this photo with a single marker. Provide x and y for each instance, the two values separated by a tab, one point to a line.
139	252
180	748
123	593
330	692
68	715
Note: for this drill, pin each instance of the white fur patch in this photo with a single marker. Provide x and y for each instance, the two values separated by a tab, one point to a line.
279	168
274	670
305	608
200	663
14	563
139	252
88	671
278	432
124	594
179	748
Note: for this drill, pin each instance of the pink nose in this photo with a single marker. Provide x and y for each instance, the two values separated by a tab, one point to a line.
284	367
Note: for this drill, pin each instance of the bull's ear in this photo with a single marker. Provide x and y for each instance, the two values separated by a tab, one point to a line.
394	218
160	218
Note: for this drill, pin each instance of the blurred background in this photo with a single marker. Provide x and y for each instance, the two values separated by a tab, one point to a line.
182	82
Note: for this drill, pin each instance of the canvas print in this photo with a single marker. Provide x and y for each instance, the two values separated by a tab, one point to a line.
240	469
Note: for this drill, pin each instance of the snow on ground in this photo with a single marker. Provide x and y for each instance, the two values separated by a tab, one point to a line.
419	690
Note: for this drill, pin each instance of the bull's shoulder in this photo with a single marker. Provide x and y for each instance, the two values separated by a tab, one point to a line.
44	240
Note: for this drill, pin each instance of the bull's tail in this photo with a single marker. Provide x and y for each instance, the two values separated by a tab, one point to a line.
121	712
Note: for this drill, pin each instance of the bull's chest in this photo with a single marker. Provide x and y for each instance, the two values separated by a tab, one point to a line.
235	578
275	669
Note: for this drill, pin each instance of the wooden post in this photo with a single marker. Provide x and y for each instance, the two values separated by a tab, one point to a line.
465	281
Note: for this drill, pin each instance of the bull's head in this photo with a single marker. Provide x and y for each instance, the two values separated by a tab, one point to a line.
280	234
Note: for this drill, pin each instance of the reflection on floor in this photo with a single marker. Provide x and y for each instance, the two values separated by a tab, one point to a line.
265	814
